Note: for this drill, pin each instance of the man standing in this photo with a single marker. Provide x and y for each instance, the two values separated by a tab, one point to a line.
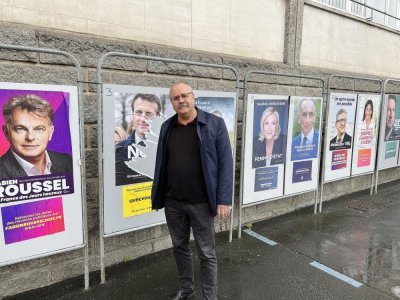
28	128
305	145
144	108
193	181
342	140
391	110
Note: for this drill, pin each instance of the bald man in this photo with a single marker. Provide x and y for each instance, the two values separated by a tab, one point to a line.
193	181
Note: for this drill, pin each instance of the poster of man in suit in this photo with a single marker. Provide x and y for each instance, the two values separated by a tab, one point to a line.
40	175
35	145
341	122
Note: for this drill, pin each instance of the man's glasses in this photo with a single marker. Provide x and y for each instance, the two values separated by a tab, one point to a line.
146	114
184	96
342	121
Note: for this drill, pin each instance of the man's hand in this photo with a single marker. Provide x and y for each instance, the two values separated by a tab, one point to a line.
223	211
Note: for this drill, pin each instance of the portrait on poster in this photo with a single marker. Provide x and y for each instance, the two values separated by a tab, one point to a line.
365	133
40	177
339	135
133	139
269	132
392	117
342	116
389	135
265	147
304	137
305	131
35	145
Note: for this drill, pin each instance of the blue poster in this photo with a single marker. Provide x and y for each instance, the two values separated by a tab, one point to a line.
302	171
266	179
305	140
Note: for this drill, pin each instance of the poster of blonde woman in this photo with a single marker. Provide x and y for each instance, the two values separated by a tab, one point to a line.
265	147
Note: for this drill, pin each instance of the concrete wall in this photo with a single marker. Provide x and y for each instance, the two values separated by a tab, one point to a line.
341	43
227	26
254	29
34	68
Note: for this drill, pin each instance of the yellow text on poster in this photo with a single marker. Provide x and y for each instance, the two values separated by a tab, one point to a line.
136	199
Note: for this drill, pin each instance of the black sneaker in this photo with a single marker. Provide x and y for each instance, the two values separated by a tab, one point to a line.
180	295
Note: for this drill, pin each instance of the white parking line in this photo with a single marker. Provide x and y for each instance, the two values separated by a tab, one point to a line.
336	274
260	237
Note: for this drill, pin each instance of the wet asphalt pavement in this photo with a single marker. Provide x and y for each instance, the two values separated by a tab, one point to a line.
357	235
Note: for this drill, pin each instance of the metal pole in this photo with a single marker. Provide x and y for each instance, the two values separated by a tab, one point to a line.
100	167
321	144
81	141
100	135
242	156
234	158
374	184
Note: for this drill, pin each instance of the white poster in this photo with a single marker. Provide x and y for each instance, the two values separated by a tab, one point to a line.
365	134
40	178
339	136
389	137
265	148
130	138
303	151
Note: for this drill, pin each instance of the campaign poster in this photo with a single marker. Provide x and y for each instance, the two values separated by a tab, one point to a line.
339	136
265	147
35	145
130	139
365	134
389	132
40	181
132	117
302	167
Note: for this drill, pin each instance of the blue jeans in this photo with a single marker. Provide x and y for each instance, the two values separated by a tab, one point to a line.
180	217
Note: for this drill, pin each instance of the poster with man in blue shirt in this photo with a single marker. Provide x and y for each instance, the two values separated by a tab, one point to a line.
305	143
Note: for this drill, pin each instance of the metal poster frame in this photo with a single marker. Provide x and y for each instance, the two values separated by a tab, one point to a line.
79	80
245	94
377	154
326	136
100	138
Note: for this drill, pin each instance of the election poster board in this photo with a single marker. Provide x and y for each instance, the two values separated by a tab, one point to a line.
265	147
303	144
40	179
339	145
389	133
130	139
365	134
